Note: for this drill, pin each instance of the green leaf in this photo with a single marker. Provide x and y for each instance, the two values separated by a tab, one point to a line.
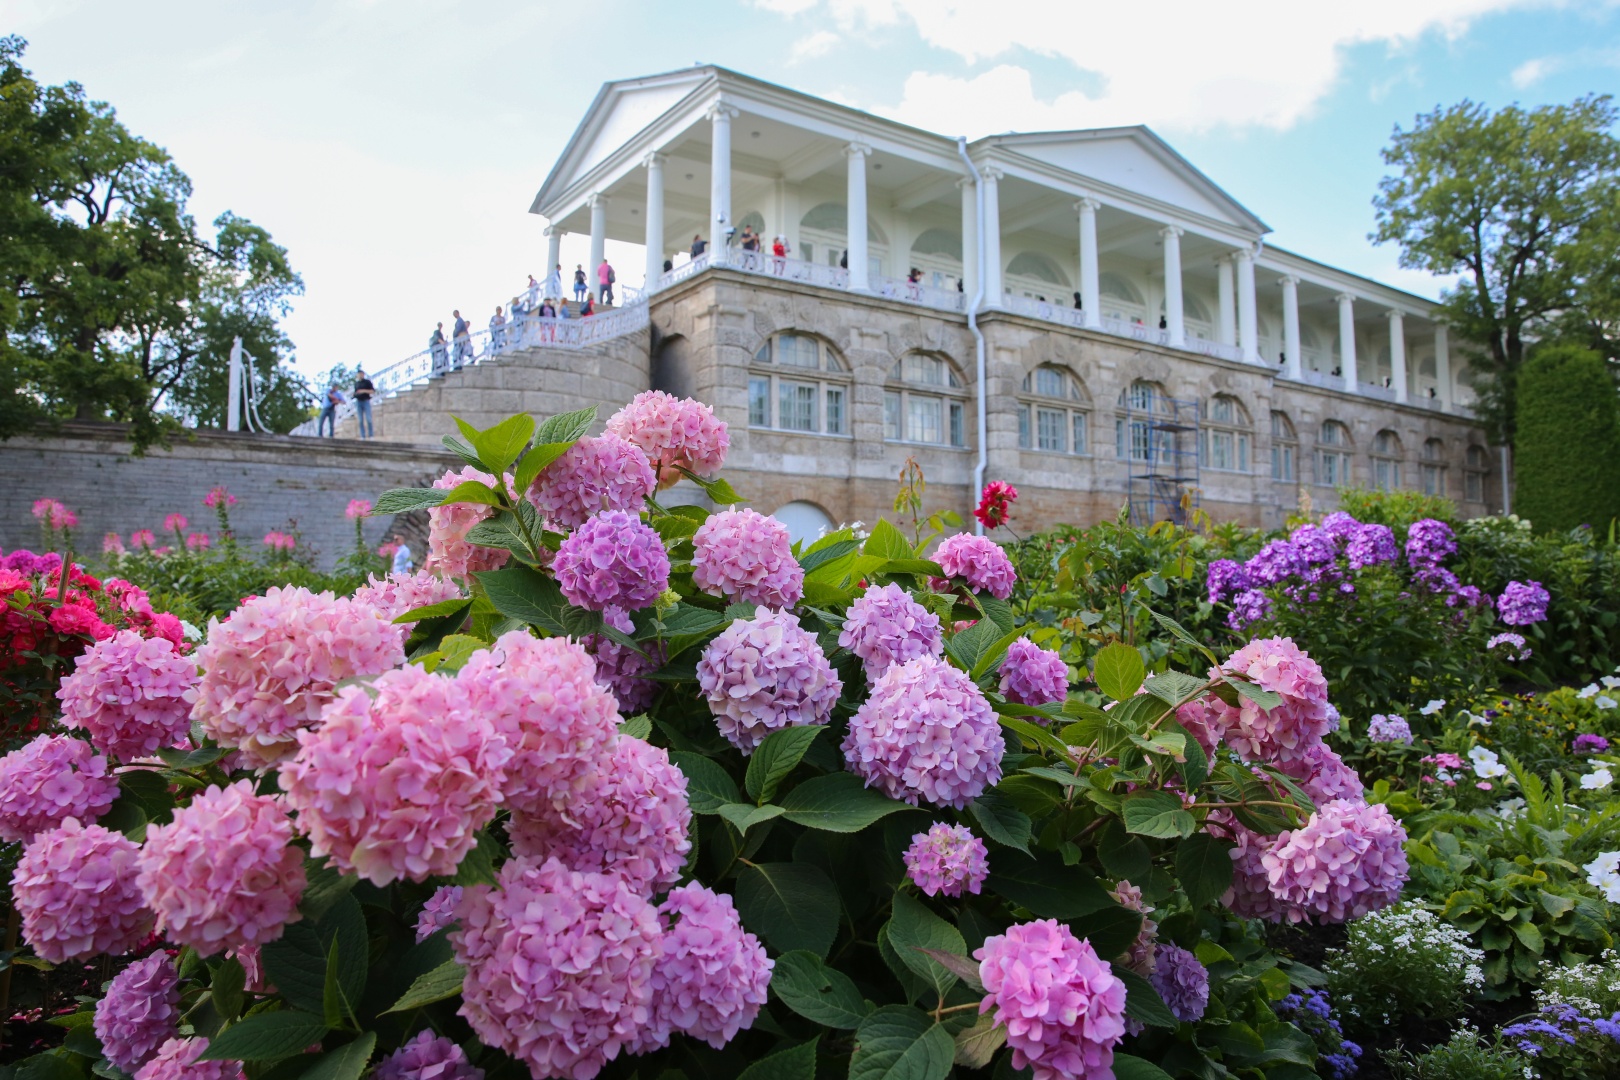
472	492
719	490
462	450
502	531
961	965
568	427
993	655
527	595
1110	930
708	788
1171	744
268	1036
914	928
226	987
744	816
1033	734
1127	1067
1158	814
1180	633
998	611
434	611
794	1063
899	1042
820	556
1174	687
1266	699
977	1045
406	501
296	963
1046	887
837	802
1002	821
439	984
777	757
820	994
684	618
1119	670
1121	854
347	1062
1142	1002
790	905
887	542
1204	868
970	645
637	727
478	865
500	445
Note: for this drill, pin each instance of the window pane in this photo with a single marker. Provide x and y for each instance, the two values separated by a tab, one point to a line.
796	407
928	370
1141	396
923	419
1119	438
764	354
957	437
835	410
759	402
891	416
1243	453
795	350
1474	487
1141	441
1049	429
1080	444
1220	445
1049	382
1221	411
1023	427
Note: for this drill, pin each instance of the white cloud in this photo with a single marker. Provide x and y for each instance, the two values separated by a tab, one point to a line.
817	44
786	7
1533	71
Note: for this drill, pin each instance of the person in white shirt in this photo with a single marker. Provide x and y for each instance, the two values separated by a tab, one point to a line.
402	555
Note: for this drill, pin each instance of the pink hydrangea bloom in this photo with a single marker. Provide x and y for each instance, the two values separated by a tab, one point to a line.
674	433
926	731
397	781
1293	727
394	595
604	473
766	673
224	873
947	860
614	560
1204	718
543	699
1250	896
133	695
1323	775
633	822
270	668
711	979
887	627
75	890
439	911
177	1059
427	1057
449	554
1031	675
1347	860
1064	1009
1138	956
747	556
140	1012
977	560
559	966
47	781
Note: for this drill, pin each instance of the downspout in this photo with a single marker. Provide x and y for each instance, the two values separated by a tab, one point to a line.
978	336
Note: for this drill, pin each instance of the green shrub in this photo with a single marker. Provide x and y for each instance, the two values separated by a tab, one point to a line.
1592	988
1403	961
1568	444
1465	1057
1397	509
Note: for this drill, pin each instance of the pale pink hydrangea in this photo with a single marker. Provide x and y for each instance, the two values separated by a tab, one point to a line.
927	732
177	1060
595	474
1323	775
439	911
763	674
140	1012
1063	1008
132	695
947	860
395	594
75	890
977	560
542	697
887	627
1347	860
559	966
711	980
633	822
427	1057
1293	727
449	553
748	557
271	667
47	781
399	777
614	560
674	433
1031	675
224	873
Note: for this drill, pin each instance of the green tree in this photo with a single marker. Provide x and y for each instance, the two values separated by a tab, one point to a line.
115	306
1525	205
1569	440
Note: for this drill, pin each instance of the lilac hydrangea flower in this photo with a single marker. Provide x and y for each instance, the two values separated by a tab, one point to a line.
887	627
1522	603
1064	1009
1389	728
140	1012
747	556
1031	675
595	474
977	560
613	560
711	976
1181	981
439	911
1428	543
766	673
427	1057
947	860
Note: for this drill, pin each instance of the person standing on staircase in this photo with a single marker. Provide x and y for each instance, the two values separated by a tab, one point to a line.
363	389
554	282
436	347
497	329
606	278
463	341
334	398
580	288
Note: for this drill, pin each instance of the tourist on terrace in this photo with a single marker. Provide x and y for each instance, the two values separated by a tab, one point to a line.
699	245
669	264
497	329
363	389
588	308
914	284
750	248
779	252
334	398
605	280
463	341
554	281
580	288
436	347
531	295
402	555
1078	305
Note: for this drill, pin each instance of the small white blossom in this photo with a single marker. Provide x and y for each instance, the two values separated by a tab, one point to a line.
1610	682
1434	706
1508	808
1588	691
1486	763
1596	780
1603	874
1604	701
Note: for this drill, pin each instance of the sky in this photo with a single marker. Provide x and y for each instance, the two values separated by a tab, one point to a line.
394	146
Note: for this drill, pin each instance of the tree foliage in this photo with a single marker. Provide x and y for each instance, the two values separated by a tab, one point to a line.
116	306
1569	440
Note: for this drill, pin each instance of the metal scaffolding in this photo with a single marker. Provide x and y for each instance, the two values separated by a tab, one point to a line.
1162	448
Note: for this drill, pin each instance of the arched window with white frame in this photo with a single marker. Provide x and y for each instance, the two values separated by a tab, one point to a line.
1386	461
1134	433
1053	412
798	383
1284	448
925	401
1333	450
1224	439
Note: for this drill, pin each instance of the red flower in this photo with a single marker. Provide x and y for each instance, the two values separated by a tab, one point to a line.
995	504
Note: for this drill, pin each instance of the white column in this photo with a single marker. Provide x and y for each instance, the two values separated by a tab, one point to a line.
1227	325
970	239
1347	342
1173	317
554	237
655	219
1248	322
599	205
990	176
1293	361
720	117
1442	364
859	271
1397	354
1090	295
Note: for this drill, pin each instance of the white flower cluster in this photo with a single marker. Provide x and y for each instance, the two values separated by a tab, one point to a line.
1486	763
1603	874
1592	988
1404	959
1592	692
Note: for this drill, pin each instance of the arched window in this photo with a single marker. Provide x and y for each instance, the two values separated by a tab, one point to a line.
938	254
798	383
1224	444
824	236
1133	430
1386	460
1284	448
925	401
1475	463
1053	413
805	521
1333	455
1119	298
1434	467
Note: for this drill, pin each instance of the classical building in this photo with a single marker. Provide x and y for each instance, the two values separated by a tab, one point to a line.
1082	313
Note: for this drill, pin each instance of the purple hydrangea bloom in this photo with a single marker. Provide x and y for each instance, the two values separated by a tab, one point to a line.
1428	543
766	673
613	560
427	1057
1031	675
1181	981
1248	606
1522	603
886	627
947	860
1370	545
1389	728
140	1012
1274	563
1225	578
439	911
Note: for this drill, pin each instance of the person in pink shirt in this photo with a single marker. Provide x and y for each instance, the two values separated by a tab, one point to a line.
606	279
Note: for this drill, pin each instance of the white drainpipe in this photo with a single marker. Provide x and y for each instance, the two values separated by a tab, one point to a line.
978	337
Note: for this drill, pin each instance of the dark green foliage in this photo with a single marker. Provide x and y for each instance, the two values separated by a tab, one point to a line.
1568	454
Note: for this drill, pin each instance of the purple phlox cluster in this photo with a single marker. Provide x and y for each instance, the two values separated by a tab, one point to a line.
1273	564
622	670
711	978
1370	545
926	731
1182	982
132	695
224	873
559	965
595	474
1389	728
75	890
1063	1008
633	822
1323	775
766	673
1291	728
947	860
1031	675
744	555
140	1012
399	777
887	627
439	911
675	434
1340	525
1314	545
1516	648
1587	743
394	595
1437	579
1347	860
1467	596
1225	579
977	560
1248	607
450	554
177	1060
1522	603
47	781
427	1057
613	560
1429	543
